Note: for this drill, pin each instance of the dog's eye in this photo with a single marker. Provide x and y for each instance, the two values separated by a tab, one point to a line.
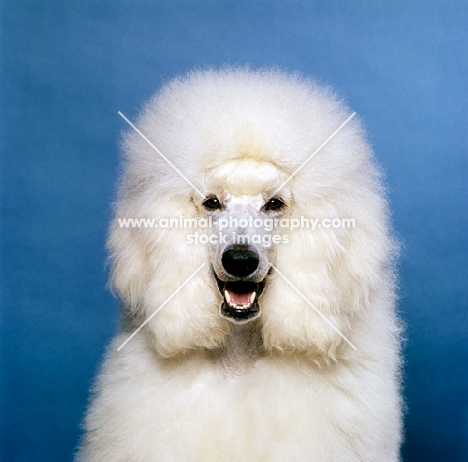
274	204
212	203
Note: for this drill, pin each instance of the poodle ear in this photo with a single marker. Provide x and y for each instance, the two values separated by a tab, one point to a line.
129	265
325	278
301	288
149	266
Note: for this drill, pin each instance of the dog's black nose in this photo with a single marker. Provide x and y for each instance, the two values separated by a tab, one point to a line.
240	262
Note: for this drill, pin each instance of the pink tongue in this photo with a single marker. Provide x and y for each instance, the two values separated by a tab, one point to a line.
240	299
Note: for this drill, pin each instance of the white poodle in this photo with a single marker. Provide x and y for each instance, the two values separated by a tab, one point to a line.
269	331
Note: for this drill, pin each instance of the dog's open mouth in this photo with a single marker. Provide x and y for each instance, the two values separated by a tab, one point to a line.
240	304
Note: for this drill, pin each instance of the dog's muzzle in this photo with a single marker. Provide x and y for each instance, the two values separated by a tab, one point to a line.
240	304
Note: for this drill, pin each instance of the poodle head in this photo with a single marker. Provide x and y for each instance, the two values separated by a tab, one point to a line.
233	192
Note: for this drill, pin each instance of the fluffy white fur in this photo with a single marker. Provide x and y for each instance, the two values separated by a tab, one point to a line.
193	386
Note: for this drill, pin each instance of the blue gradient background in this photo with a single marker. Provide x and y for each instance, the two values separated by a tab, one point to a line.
68	67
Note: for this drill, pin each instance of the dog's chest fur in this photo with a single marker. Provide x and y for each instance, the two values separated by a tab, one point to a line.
236	404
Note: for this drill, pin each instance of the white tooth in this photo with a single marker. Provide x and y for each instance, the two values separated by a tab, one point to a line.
252	297
228	297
